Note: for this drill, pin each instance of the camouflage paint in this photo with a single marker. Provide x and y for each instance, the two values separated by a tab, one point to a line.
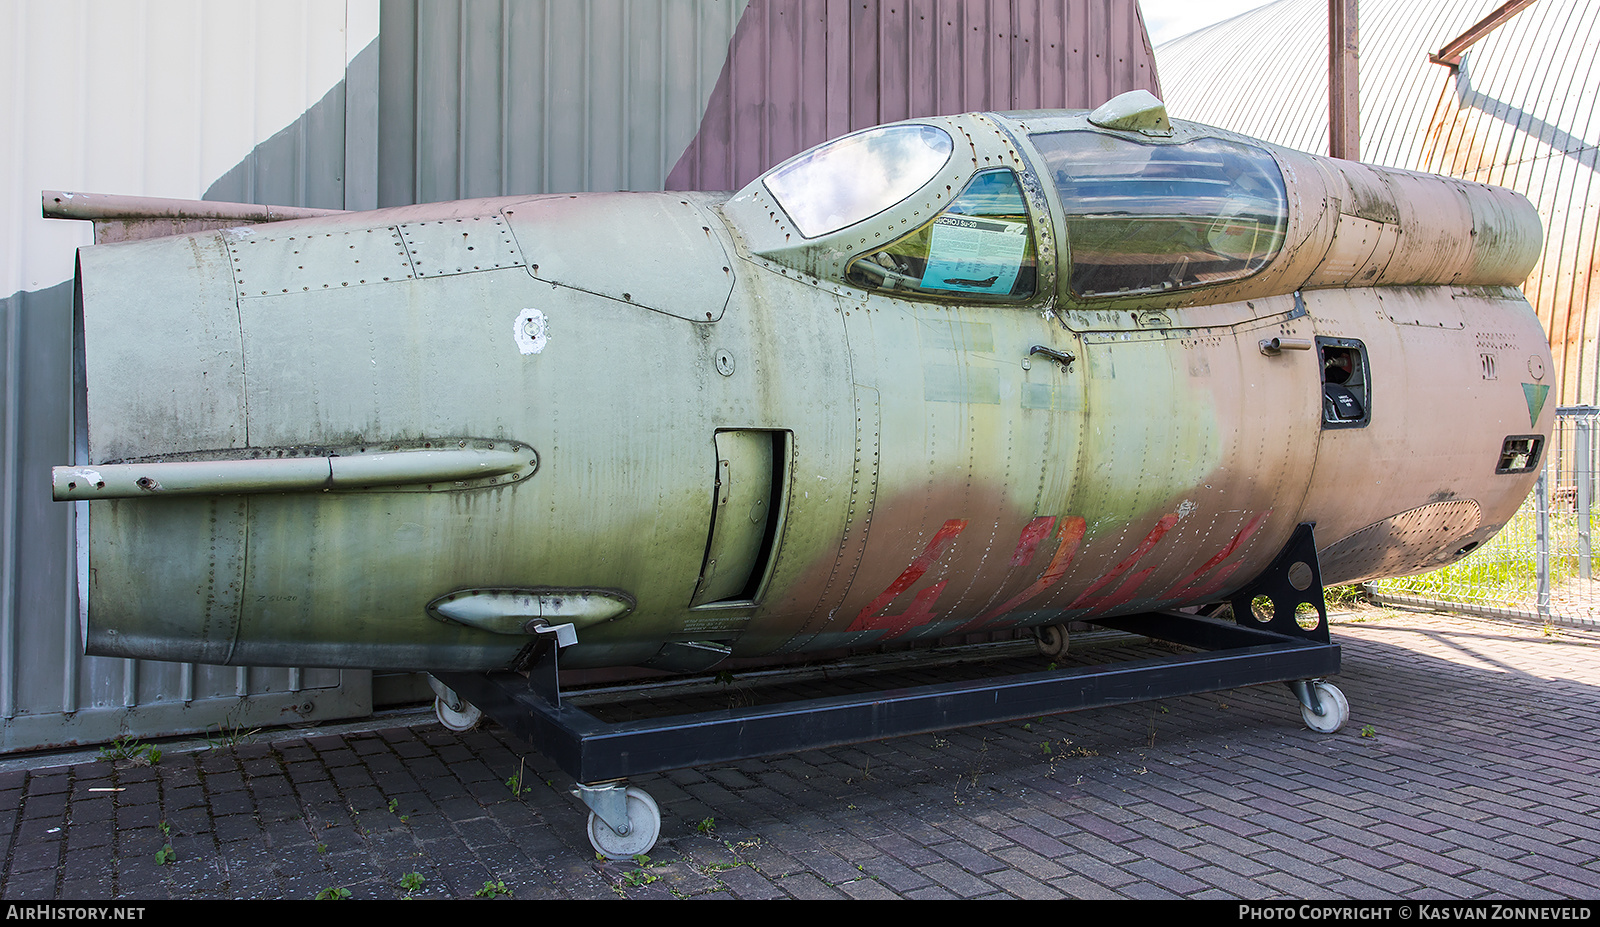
942	475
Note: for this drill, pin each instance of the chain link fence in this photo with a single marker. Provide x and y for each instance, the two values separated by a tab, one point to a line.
1540	566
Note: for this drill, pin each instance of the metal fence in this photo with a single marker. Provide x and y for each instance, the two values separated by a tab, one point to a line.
1541	565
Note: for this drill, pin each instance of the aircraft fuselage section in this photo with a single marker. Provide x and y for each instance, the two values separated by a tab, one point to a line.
694	426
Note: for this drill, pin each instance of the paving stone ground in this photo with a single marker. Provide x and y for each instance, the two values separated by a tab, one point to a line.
1468	771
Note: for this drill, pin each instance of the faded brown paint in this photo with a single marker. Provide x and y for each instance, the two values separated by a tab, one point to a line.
799	72
1465	140
1434	456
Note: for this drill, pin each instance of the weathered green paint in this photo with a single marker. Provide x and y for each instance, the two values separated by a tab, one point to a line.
467	464
933	470
1536	394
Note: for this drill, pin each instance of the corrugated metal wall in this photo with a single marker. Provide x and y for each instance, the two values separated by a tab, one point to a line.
1266	73
548	96
543	96
1521	112
800	73
161	100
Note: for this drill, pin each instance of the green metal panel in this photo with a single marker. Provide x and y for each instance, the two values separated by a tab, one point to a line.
574	243
195	313
944	462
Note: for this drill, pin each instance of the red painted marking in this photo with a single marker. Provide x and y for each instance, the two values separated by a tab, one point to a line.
922	606
1127	591
920	612
1216	583
1182	588
1149	542
1071	535
1034	533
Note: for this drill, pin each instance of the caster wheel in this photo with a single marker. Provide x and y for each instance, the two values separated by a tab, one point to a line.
1335	709
460	719
644	821
1052	640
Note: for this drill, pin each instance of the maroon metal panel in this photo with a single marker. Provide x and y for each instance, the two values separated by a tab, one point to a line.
865	72
836	72
799	73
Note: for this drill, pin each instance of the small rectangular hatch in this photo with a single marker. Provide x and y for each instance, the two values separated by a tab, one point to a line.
749	498
1346	383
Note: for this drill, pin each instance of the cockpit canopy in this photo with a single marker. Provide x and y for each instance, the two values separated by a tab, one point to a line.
1144	217
960	208
1088	209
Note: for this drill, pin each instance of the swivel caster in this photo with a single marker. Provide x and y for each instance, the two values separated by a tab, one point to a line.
454	712
643	824
1052	640
1322	705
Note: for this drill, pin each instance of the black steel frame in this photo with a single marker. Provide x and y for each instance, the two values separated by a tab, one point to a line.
1234	654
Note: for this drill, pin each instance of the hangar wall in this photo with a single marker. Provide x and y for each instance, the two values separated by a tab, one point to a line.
1522	111
364	103
799	73
557	96
161	100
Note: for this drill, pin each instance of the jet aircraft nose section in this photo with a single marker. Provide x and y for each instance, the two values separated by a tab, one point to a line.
499	381
800	418
970	374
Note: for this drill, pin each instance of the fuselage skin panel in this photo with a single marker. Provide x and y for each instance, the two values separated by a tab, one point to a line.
741	439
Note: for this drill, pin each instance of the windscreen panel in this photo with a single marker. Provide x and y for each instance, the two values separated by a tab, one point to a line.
1150	217
856	177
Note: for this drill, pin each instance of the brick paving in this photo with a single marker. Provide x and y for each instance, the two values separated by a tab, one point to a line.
1467	771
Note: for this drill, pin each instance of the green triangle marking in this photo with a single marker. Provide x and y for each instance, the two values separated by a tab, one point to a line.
1536	395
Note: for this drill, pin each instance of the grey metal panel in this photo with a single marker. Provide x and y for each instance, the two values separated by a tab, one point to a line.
489	98
361	130
1522	111
37	542
397	113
